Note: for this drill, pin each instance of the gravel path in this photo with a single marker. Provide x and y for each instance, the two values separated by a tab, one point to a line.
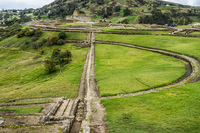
95	114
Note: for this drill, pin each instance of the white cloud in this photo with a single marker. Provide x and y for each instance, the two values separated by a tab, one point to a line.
21	4
186	2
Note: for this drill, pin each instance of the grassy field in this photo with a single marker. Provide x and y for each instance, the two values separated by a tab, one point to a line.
71	24
22	73
118	69
169	111
132	31
174	110
183	45
24	110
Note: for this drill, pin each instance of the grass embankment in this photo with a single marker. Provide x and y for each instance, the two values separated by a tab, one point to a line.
175	110
22	73
75	24
169	111
24	110
121	70
29	102
195	33
132	31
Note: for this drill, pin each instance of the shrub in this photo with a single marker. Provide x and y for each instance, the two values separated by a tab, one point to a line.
55	54
38	32
41	52
62	35
36	45
50	66
20	34
33	39
26	42
29	33
49	44
44	40
60	42
1	38
65	57
53	39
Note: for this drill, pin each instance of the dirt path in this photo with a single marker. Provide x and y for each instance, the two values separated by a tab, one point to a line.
95	114
192	75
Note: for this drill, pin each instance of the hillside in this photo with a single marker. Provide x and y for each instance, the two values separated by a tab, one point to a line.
129	11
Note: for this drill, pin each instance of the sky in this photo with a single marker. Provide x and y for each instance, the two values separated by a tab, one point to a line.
22	4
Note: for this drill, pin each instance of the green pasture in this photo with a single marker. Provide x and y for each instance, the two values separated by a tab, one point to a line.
169	111
122	70
184	45
132	31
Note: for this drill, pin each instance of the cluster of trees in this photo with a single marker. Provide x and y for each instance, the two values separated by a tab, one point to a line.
109	11
57	40
29	33
10	31
57	58
157	17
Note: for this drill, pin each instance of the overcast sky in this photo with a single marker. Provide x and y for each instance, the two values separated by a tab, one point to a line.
21	4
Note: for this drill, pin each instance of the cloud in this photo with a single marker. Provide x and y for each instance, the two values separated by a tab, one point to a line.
22	4
186	2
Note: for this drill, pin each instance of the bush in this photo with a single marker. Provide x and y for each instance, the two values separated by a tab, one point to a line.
29	33
49	44
50	66
44	40
60	42
62	35
33	39
53	39
20	34
65	57
36	45
41	52
1	38
38	32
26	42
55	54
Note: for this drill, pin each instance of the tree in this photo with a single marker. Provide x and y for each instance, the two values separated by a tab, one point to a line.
62	35
127	12
50	66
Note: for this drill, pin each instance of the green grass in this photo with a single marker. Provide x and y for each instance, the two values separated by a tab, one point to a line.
118	69
182	45
24	110
30	102
141	26
131	18
184	26
174	110
132	31
69	24
21	75
195	33
169	111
